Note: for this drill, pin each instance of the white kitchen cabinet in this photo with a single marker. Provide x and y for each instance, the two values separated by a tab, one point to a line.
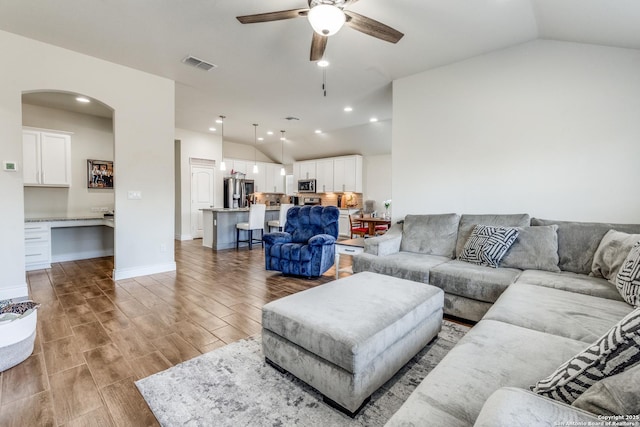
46	158
275	181
259	178
239	166
37	246
348	174
305	170
324	176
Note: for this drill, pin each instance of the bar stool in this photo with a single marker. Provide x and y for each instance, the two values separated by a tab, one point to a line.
279	223
256	222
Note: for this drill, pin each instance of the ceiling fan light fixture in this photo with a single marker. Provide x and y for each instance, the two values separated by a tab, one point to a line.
326	19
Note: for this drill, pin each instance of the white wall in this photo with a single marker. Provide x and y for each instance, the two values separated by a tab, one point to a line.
143	129
202	146
548	128
92	139
377	180
233	150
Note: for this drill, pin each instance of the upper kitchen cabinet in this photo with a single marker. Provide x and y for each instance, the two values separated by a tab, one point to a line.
46	158
325	176
275	181
259	178
347	174
305	170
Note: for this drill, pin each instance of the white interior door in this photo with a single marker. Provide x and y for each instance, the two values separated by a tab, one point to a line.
202	185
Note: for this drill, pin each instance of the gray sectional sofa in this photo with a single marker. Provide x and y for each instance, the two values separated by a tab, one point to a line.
530	320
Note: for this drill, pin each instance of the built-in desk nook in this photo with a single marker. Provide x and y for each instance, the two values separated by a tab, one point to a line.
50	240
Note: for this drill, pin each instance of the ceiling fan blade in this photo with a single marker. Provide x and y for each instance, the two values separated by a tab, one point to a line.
318	45
372	27
272	16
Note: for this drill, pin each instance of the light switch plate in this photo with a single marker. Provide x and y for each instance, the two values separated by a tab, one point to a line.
10	166
134	195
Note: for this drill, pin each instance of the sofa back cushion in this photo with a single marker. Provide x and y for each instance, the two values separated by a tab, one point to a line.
535	249
468	222
430	234
578	241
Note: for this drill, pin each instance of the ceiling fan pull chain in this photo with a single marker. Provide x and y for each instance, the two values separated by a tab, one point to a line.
324	81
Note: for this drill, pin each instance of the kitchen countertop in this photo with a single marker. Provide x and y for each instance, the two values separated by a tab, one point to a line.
57	218
79	221
269	208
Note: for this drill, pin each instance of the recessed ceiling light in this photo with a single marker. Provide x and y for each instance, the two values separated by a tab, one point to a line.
269	132
260	139
83	99
348	109
218	120
373	119
212	129
323	63
318	131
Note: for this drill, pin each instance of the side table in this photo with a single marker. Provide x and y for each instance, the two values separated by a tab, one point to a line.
348	247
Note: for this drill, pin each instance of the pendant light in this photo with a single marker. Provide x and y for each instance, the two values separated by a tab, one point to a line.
282	171
255	148
223	166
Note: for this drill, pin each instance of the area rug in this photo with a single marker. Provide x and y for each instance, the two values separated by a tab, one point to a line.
232	386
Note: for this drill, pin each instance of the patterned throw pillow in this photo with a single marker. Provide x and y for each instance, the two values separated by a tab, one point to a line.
614	352
488	244
628	278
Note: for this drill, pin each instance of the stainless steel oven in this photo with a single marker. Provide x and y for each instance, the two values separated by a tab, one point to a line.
306	186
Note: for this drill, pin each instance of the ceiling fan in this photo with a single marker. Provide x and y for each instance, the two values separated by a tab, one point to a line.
327	17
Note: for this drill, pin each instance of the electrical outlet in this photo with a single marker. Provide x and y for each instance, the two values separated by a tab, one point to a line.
134	195
104	209
95	209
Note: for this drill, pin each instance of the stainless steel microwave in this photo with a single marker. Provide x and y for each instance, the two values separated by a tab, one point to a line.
306	186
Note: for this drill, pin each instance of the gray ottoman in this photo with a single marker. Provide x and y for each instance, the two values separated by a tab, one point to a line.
348	337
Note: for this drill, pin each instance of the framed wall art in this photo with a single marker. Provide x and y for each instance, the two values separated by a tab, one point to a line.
100	174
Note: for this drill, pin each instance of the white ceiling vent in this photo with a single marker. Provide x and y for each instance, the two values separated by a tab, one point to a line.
198	63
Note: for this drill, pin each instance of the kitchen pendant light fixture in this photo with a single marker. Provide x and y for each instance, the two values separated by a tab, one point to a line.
223	166
282	171
255	148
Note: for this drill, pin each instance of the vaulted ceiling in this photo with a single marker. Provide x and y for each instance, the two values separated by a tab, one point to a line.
263	72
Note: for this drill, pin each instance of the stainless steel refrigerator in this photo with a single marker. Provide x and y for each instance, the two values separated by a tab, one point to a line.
235	192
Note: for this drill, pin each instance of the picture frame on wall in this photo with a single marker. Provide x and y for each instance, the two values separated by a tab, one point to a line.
99	174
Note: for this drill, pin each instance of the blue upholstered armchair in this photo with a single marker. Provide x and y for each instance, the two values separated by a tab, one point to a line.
306	247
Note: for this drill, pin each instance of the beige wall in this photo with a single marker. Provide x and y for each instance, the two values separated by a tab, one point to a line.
144	148
377	180
92	139
548	128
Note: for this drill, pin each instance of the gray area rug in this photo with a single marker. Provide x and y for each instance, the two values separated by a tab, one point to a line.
232	386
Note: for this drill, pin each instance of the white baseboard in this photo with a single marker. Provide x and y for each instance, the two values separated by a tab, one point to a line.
81	255
21	290
183	237
127	273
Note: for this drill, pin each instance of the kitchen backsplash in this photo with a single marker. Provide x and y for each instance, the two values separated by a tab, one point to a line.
348	200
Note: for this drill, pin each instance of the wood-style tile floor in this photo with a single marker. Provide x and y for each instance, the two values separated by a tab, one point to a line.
96	337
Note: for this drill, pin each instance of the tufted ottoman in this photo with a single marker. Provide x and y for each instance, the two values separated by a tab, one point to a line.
348	337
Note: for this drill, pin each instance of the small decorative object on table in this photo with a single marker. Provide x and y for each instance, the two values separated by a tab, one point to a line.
387	203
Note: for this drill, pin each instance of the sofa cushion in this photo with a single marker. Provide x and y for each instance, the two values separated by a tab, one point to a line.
405	265
567	314
614	352
467	222
536	248
628	278
488	244
472	281
611	253
430	234
578	241
615	395
490	356
572	282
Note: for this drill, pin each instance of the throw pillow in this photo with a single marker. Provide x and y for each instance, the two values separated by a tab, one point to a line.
616	395
614	352
536	248
611	253
628	278
487	245
430	234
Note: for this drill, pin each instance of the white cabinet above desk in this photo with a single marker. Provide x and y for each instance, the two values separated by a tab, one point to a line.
46	158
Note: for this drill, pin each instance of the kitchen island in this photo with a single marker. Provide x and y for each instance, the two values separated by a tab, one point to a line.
219	225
